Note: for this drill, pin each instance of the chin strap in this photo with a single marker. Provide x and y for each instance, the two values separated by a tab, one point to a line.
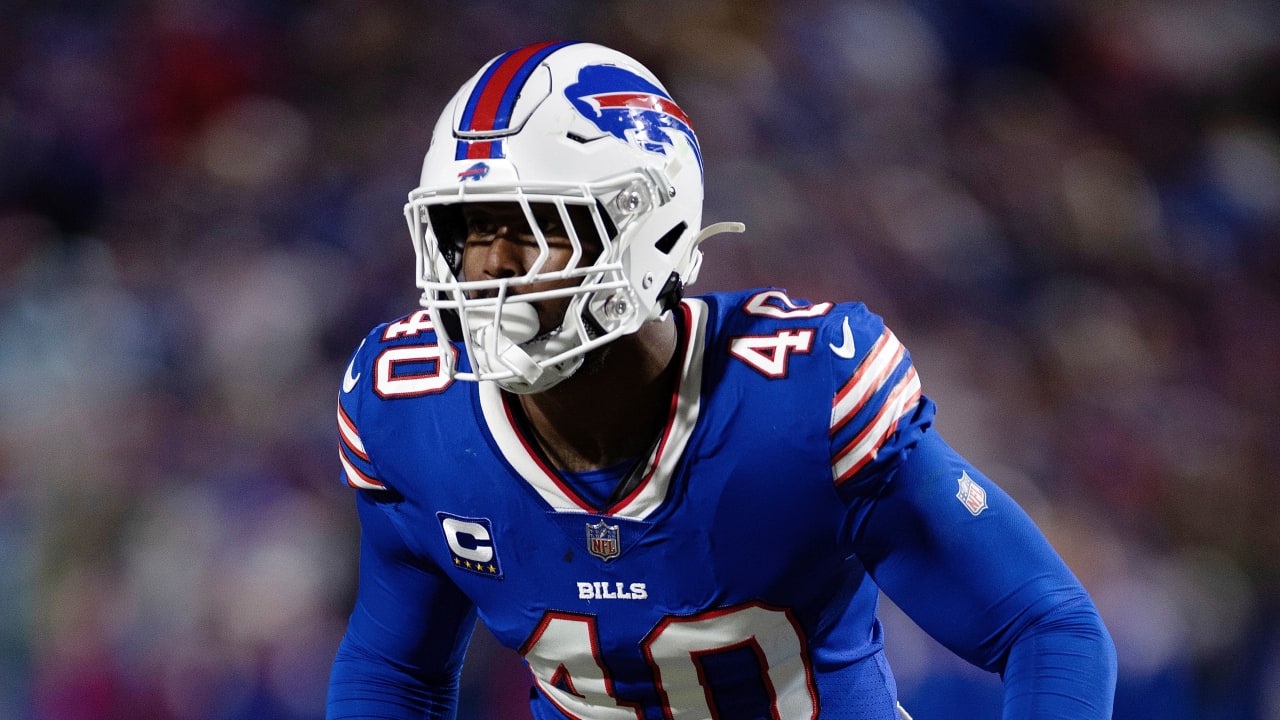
518	361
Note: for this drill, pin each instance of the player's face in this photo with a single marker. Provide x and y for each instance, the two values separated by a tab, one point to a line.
500	244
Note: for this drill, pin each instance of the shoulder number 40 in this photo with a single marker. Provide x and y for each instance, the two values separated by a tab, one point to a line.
411	370
770	354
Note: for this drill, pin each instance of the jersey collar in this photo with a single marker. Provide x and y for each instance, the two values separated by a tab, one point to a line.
660	465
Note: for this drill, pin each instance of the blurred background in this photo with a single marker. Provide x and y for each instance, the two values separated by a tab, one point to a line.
1069	211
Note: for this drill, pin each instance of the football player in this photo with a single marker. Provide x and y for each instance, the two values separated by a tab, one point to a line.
670	507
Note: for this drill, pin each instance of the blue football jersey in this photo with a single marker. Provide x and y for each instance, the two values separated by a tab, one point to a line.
726	583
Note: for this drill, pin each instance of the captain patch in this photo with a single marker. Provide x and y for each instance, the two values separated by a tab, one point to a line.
471	544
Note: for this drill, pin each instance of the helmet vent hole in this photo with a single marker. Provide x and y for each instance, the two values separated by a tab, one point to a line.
668	241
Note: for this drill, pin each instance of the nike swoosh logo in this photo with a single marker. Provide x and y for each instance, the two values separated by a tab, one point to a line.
845	349
349	380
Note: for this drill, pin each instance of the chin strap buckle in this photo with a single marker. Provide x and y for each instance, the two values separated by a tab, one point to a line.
671	293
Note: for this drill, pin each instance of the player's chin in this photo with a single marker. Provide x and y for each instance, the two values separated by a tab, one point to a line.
594	361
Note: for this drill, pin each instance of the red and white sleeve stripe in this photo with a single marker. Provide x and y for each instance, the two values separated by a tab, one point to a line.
886	383
350	442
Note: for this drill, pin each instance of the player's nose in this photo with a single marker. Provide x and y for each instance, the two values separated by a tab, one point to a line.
504	256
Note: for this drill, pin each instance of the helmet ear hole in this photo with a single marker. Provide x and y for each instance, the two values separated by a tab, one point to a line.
668	241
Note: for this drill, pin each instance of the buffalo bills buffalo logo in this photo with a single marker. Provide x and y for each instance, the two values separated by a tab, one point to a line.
475	172
630	108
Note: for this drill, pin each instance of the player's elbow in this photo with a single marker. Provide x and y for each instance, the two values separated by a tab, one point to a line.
364	683
1063	666
1079	626
1104	645
1074	630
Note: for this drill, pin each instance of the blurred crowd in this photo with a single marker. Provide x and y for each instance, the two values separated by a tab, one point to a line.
1069	211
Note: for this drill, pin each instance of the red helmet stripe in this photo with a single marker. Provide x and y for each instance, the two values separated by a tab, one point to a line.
641	100
493	98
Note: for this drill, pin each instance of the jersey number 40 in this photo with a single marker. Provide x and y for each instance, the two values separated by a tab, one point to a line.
563	653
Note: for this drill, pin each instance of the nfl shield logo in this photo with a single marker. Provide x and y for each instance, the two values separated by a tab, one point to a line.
971	494
602	540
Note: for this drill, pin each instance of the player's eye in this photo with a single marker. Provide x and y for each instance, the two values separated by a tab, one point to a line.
481	226
548	217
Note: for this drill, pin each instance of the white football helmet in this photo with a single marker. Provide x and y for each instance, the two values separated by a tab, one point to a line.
565	124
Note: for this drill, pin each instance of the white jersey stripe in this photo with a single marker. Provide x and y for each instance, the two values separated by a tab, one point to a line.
357	479
522	459
350	436
863	449
869	378
686	407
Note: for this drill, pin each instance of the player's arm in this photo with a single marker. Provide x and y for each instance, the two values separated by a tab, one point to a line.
979	576
947	545
402	654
